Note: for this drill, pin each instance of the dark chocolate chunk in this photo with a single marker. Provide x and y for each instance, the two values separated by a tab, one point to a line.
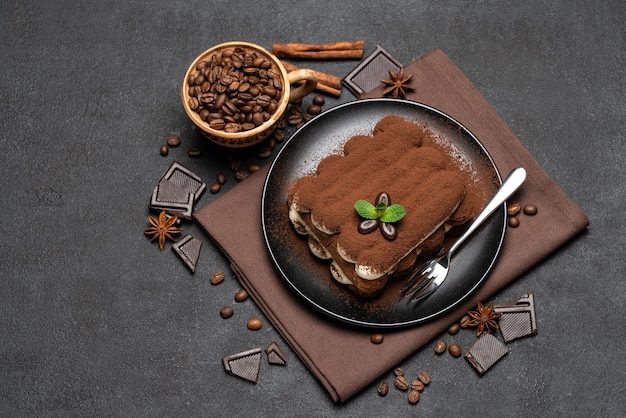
275	354
244	365
518	318
177	191
485	352
166	190
185	179
188	249
367	75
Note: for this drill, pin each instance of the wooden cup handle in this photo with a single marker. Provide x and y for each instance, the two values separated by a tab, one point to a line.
299	75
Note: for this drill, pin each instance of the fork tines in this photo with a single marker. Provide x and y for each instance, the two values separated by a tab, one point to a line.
419	280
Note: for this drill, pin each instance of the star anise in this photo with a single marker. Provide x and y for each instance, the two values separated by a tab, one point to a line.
484	318
162	228
397	84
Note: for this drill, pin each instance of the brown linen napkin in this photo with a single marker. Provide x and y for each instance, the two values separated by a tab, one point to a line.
341	357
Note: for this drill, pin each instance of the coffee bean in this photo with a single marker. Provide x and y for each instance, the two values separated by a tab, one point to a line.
377	338
164	150
173	140
455	350
464	322
221	178
454	328
241	295
313	109
241	175
235	165
254	324
401	383
383	389
253	168
530	210
264	152
441	346
194	152
215	188
414	397
318	100
227	312
513	209
513	221
398	371
423	377
217	277
417	385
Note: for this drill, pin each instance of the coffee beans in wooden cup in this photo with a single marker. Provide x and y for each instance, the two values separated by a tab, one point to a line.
236	92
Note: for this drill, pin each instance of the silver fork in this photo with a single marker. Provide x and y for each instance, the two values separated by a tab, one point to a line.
424	281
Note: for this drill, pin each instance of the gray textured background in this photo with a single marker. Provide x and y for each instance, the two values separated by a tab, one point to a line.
95	321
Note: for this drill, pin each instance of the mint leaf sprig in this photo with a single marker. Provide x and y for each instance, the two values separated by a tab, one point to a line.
382	214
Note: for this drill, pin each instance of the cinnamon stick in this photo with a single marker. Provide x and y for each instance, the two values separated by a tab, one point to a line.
330	50
323	88
322	78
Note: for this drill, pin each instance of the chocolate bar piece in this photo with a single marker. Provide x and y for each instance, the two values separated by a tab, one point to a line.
185	179
518	318
367	75
485	352
244	365
177	191
275	354
188	249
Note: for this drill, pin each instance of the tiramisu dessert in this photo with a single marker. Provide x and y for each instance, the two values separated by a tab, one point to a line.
388	198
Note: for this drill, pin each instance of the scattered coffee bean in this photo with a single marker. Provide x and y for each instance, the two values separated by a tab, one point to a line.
235	165
417	385
241	175
254	324
264	152
313	109
221	178
398	371
253	168
530	210
173	140
464	322
377	338
383	389
513	209
441	347
401	383
318	100
414	397
227	312
454	328
455	350
295	119
241	295
194	152
217	277
164	150
513	221
423	377
215	188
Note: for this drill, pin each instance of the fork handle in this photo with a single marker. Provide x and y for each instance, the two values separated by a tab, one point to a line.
512	182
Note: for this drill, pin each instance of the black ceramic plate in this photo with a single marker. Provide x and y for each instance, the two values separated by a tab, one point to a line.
310	278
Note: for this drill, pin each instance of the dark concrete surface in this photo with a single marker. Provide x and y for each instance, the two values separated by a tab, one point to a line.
96	321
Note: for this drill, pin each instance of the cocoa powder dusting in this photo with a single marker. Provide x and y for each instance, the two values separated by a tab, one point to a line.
402	159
